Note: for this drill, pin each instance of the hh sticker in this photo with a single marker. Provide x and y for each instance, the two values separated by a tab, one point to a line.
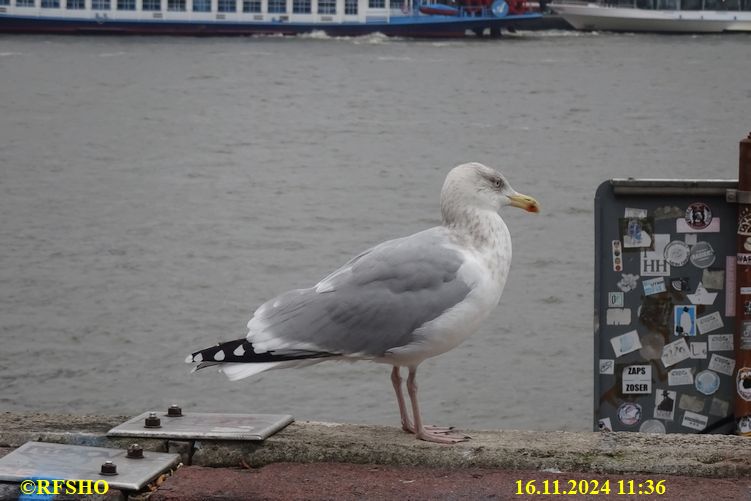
698	216
723	365
677	253
684	318
615	299
709	323
625	343
675	352
618	316
698	350
720	342
707	382
702	296
702	255
629	413
694	421
637	379
664	404
682	376
607	366
743	383
654	265
654	286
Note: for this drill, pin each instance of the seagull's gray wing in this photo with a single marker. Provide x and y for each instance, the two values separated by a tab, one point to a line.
370	305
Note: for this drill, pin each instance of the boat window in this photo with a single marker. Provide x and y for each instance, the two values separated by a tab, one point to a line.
176	5
126	4
667	4
4	2
377	4
50	4
745	4
24	3
350	7
201	5
152	5
301	6
75	4
277	6
397	4
251	5
732	4
691	4
327	6
226	6
100	4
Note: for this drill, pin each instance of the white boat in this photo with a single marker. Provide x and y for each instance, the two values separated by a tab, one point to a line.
658	16
406	18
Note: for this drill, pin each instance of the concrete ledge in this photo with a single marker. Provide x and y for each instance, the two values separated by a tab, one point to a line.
309	442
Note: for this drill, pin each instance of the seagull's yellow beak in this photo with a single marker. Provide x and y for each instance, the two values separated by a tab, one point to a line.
525	202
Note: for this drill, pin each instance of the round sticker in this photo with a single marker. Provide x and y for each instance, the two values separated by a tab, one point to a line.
743	382
707	382
629	413
677	253
702	255
744	426
698	215
652	426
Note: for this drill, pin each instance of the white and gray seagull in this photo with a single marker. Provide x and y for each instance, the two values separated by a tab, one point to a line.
397	303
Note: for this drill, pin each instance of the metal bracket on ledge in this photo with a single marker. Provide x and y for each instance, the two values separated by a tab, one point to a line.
733	196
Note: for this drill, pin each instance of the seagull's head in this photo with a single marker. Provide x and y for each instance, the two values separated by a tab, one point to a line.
479	186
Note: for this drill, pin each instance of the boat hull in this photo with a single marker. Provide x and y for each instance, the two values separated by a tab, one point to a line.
593	17
419	27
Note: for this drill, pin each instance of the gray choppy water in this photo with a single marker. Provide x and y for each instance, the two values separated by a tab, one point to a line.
154	191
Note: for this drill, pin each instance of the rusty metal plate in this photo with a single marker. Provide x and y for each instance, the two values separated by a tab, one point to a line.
76	462
205	426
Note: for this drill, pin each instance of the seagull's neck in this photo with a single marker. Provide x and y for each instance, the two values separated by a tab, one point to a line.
483	229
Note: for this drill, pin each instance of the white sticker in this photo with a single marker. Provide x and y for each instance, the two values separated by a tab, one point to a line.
745	291
664	404
637	379
607	366
617	256
709	323
678	377
681	226
694	421
674	352
743	383
654	286
628	282
723	365
690	238
698	350
720	342
604	424
618	316
615	299
625	343
654	264
691	403
719	407
713	279
702	296
639	213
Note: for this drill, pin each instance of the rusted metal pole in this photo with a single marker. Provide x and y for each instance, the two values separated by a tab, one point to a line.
742	336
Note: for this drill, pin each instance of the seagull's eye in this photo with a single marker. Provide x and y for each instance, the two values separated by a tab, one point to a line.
498	183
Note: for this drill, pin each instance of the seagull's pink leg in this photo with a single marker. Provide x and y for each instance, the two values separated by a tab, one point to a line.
396	380
429	434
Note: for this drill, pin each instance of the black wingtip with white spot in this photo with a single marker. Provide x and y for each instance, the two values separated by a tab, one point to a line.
241	351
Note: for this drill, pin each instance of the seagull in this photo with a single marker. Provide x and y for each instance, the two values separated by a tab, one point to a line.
398	303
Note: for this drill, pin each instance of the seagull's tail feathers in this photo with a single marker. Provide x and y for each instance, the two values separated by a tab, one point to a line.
237	359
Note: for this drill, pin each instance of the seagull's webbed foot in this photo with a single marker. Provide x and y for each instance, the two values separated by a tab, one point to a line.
440	437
